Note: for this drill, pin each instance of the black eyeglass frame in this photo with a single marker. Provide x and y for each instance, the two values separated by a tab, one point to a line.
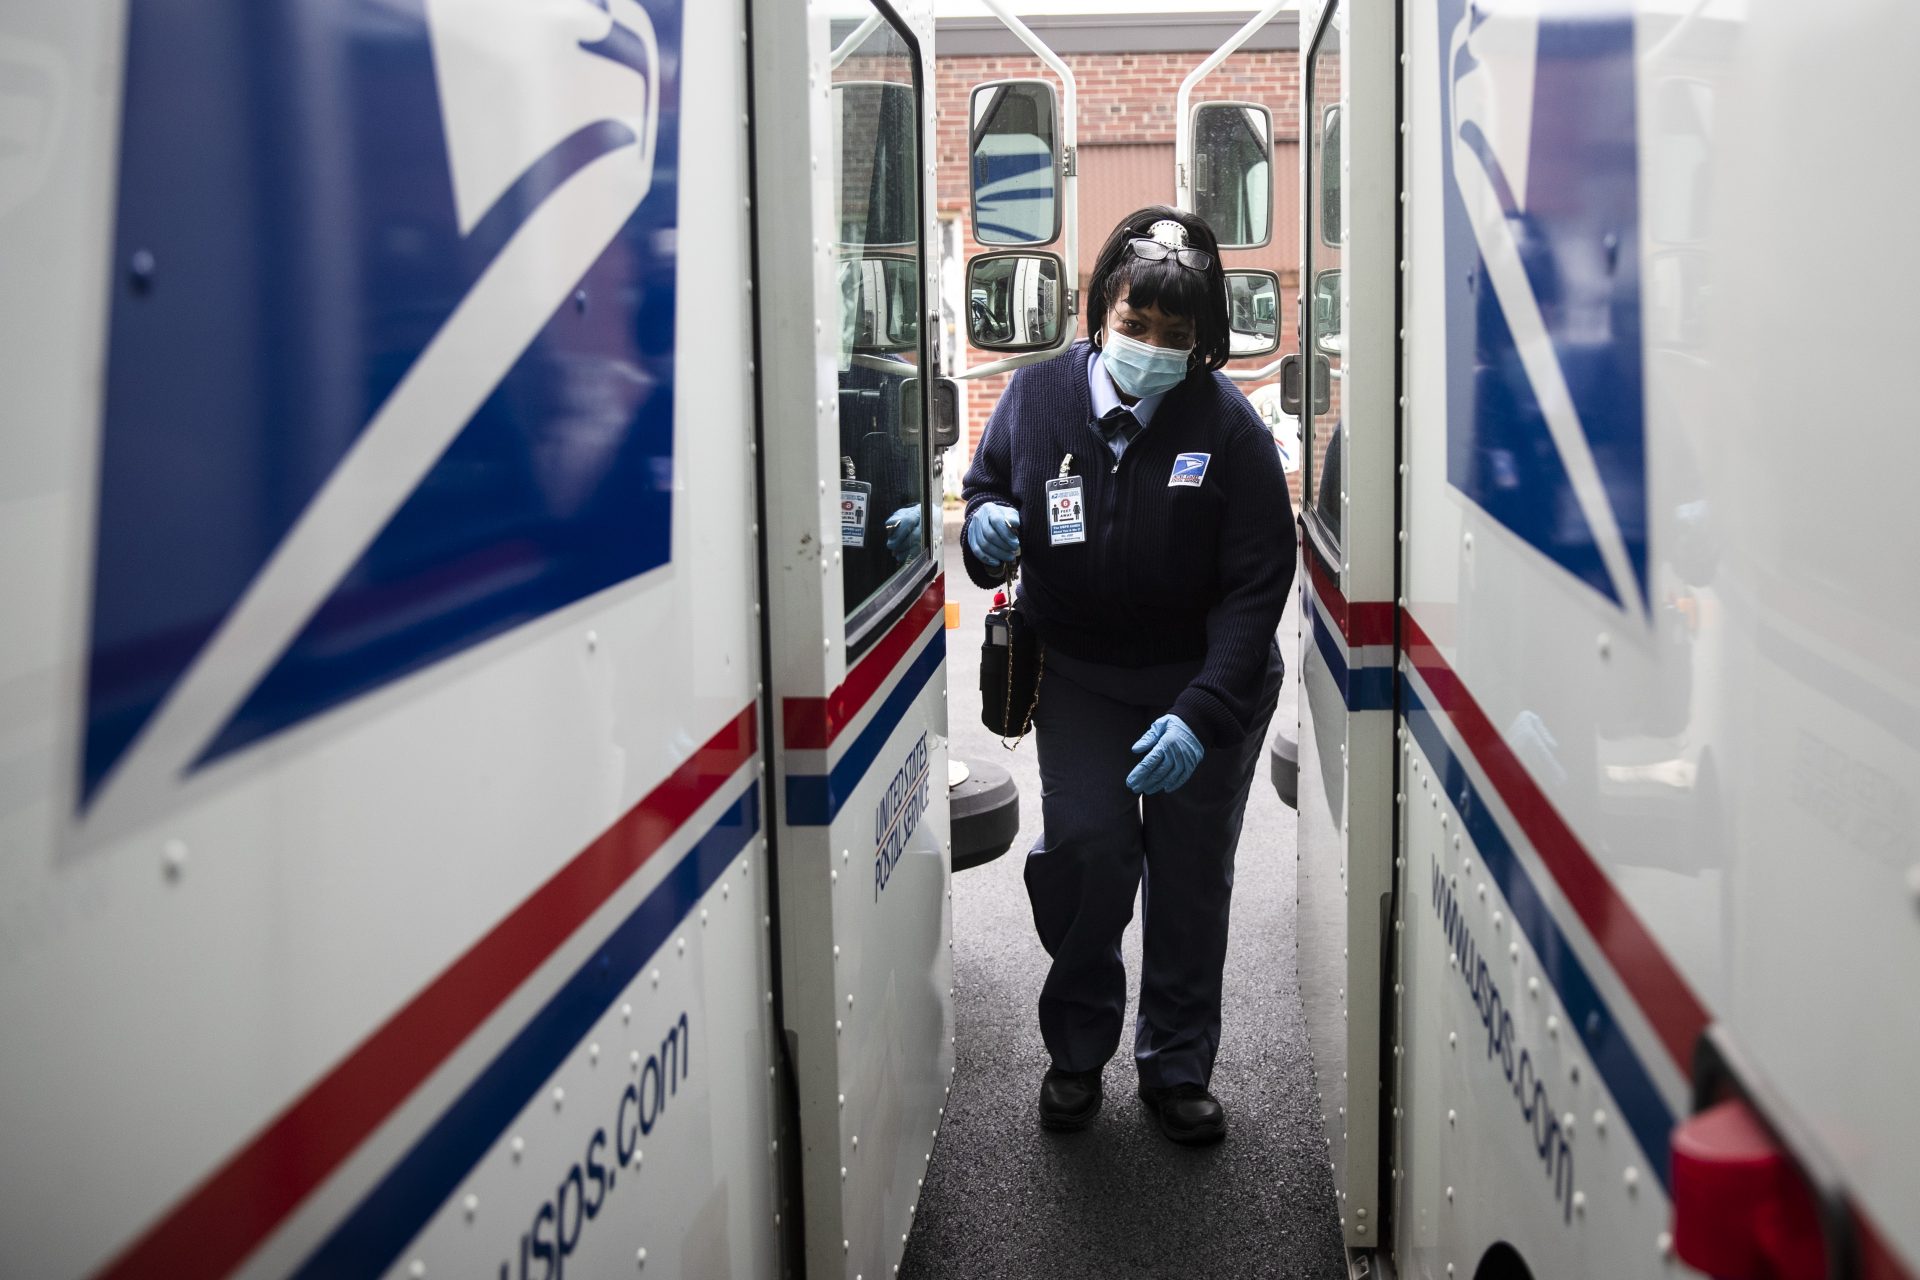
1150	250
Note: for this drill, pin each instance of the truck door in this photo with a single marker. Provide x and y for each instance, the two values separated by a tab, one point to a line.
854	596
1346	791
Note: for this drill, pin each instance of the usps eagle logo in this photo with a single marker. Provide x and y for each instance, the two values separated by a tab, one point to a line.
416	389
1546	396
1189	469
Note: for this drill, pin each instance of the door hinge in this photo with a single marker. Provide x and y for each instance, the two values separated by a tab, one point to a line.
1070	163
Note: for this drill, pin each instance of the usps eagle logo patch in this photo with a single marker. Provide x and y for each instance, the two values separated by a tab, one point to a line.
1189	469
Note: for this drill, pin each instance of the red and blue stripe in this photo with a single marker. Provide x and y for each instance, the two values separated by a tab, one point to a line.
1339	630
901	663
236	1208
1438	710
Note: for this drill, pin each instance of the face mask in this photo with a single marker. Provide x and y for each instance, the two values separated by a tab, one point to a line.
1142	369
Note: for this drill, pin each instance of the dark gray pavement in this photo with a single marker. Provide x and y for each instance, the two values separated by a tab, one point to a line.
1005	1198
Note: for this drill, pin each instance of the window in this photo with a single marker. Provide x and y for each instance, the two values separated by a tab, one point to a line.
885	518
1321	345
1332	226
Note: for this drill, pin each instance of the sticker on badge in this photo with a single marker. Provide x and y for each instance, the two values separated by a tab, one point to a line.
854	495
1066	512
1189	469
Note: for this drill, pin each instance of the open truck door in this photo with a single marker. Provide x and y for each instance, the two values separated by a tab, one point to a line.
856	667
1338	771
1342	383
870	820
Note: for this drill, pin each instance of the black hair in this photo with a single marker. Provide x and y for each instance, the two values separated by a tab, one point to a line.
1199	296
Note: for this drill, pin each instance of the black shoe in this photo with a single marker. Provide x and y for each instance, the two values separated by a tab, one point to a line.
1069	1099
1187	1112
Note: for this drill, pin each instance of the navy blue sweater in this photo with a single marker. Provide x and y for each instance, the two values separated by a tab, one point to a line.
1168	573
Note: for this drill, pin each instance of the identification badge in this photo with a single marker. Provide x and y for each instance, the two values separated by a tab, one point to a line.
1066	512
1189	469
854	496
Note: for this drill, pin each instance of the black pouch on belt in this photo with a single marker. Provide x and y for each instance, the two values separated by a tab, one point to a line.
1010	661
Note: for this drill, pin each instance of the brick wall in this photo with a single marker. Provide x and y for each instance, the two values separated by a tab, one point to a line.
1127	101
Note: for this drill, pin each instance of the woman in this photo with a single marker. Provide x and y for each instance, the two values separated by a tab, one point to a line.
1144	500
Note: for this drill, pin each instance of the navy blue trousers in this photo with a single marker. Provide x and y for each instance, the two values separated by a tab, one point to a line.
1101	843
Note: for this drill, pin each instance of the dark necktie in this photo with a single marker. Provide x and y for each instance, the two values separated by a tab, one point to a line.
1118	421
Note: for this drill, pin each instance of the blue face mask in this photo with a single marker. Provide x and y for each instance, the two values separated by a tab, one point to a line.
1140	368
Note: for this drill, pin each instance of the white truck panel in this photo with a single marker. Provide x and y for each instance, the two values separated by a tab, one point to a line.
1673	685
177	979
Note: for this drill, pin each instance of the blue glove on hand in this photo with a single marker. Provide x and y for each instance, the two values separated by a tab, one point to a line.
993	535
903	533
1173	753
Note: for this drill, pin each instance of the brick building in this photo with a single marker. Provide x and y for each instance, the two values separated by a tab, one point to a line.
1128	72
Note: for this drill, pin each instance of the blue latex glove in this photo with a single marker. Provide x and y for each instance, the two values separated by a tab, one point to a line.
903	533
1173	753
993	535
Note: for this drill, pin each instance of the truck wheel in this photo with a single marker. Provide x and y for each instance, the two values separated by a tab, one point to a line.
1502	1262
1283	766
986	815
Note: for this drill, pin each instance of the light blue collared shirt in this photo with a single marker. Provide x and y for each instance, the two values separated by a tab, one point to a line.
1106	398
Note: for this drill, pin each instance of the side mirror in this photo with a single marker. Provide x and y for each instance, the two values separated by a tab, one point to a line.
1233	172
881	294
1253	313
1015	301
1011	145
1326	313
875	139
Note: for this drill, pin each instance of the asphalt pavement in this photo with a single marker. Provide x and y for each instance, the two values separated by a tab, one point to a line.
1003	1197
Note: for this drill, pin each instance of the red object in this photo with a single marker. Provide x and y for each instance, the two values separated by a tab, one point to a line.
999	599
1741	1210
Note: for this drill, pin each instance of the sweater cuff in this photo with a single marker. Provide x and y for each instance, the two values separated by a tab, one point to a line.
1208	717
